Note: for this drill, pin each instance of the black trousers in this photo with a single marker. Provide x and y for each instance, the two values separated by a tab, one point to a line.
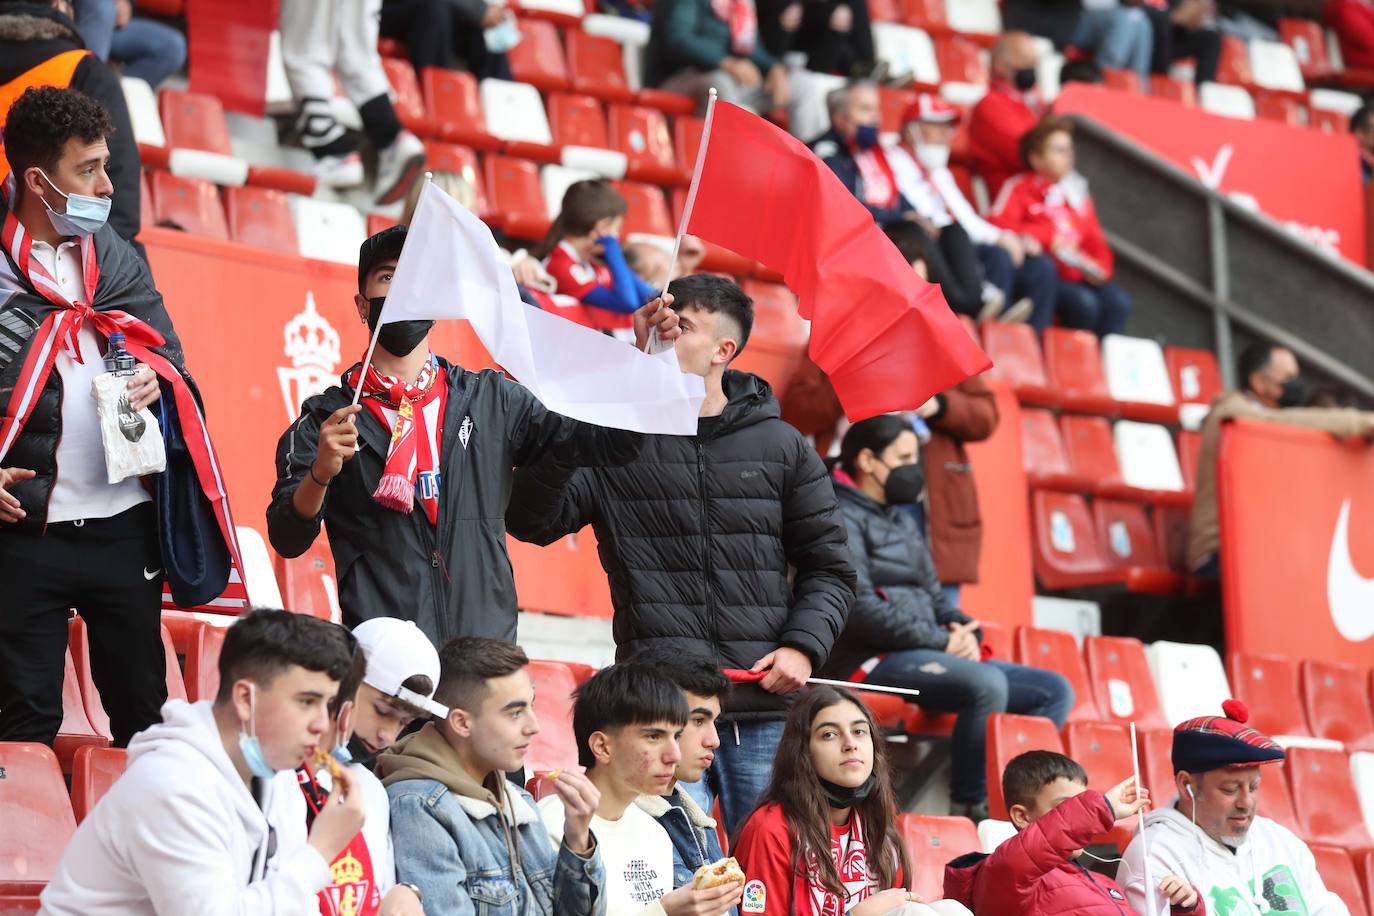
108	569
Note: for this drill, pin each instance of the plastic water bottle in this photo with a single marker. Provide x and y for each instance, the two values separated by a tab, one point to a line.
117	359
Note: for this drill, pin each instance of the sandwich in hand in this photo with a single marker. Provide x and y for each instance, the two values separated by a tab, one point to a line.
714	874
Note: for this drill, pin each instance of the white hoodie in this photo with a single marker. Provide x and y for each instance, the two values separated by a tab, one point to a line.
1271	872
179	833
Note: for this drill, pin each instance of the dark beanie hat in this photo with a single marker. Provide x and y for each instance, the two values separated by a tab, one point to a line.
1213	742
384	246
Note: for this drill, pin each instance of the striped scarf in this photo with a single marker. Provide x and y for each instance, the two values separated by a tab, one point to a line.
412	459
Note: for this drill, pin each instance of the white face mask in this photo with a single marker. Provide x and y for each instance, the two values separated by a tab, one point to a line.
933	157
85	215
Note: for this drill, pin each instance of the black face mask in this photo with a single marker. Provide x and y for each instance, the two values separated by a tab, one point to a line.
361	755
1024	79
845	797
398	338
1293	393
904	484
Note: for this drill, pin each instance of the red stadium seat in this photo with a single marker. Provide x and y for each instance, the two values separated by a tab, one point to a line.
894	103
581	673
1122	80
555	747
931	843
1338	873
1276	799
1057	650
961	60
1104	750
390	47
538	59
76	730
193	204
193	120
1277	106
145	201
409	101
577	120
1337	703
1092	454
258	216
1167	87
1127	541
1064	546
95	770
1044	456
1172	524
453	102
16	905
597	66
1073	365
884	11
1008	736
90	696
686	142
1194	374
1366	863
1324	796
1189	444
1328	120
515	192
1121	680
1268	684
1308	42
998	638
642	135
924	14
38	818
462	160
1015	354
1234	67
1156	764
889	711
308	583
646	209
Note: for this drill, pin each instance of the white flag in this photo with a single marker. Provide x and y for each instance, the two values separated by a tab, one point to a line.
451	268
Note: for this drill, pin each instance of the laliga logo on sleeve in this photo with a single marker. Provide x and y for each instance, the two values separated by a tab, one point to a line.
755	897
1349	594
312	345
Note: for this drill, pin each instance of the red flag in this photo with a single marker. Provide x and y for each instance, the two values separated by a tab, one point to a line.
884	336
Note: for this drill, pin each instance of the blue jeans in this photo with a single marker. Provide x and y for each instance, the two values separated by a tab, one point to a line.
148	50
1101	309
974	690
1035	279
740	773
95	20
1120	37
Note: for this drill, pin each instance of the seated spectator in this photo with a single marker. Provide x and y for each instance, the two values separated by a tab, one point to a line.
903	631
1185	28
1014	265
147	49
1010	108
649	260
832	36
1051	203
583	255
184	830
1037	872
468	838
398	686
1116	32
627	719
470	35
1362	127
1212	836
824	838
691	829
1353	23
1272	390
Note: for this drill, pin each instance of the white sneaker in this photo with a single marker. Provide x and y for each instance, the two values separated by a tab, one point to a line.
340	172
1017	312
398	166
993	301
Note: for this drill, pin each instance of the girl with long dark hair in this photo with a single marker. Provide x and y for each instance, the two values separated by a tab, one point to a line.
824	841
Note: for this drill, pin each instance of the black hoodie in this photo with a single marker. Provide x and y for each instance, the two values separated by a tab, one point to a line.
31	33
700	537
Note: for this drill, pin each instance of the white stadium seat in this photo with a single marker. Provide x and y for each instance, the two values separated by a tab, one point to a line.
974	17
1190	679
992	834
1275	66
327	230
1136	370
1334	100
143	113
514	111
1047	74
1362	772
965	95
555	180
907	52
574	8
1147	457
1228	101
258	574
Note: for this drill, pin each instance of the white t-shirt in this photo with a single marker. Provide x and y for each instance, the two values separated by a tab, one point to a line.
636	852
82	488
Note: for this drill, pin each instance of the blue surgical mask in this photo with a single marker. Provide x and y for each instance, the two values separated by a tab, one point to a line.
85	215
866	136
249	746
501	37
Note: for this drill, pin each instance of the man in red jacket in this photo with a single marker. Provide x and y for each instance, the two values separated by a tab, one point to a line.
1010	108
1036	872
1051	204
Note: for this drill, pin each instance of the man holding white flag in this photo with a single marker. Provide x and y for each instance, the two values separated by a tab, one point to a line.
412	478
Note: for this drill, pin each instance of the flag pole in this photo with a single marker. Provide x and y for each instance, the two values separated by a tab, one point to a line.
377	331
687	207
859	685
1144	843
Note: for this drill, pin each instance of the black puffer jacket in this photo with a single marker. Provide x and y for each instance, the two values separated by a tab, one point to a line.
31	33
900	604
697	537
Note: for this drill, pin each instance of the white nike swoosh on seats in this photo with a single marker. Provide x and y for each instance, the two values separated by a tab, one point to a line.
1349	594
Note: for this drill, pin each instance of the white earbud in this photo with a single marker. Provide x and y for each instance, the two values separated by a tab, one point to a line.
1189	787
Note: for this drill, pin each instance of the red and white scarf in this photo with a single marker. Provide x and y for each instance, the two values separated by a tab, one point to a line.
879	184
59	331
743	22
416	422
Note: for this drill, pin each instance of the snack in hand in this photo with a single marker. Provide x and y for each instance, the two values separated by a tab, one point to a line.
322	758
715	874
552	775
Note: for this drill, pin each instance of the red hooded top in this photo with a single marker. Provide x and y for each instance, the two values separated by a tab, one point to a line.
1031	874
1053	214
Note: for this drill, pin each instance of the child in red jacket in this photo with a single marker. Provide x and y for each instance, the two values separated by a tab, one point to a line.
1036	872
1051	204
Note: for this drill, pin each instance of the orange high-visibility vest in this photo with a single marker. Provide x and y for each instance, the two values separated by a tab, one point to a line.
55	71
